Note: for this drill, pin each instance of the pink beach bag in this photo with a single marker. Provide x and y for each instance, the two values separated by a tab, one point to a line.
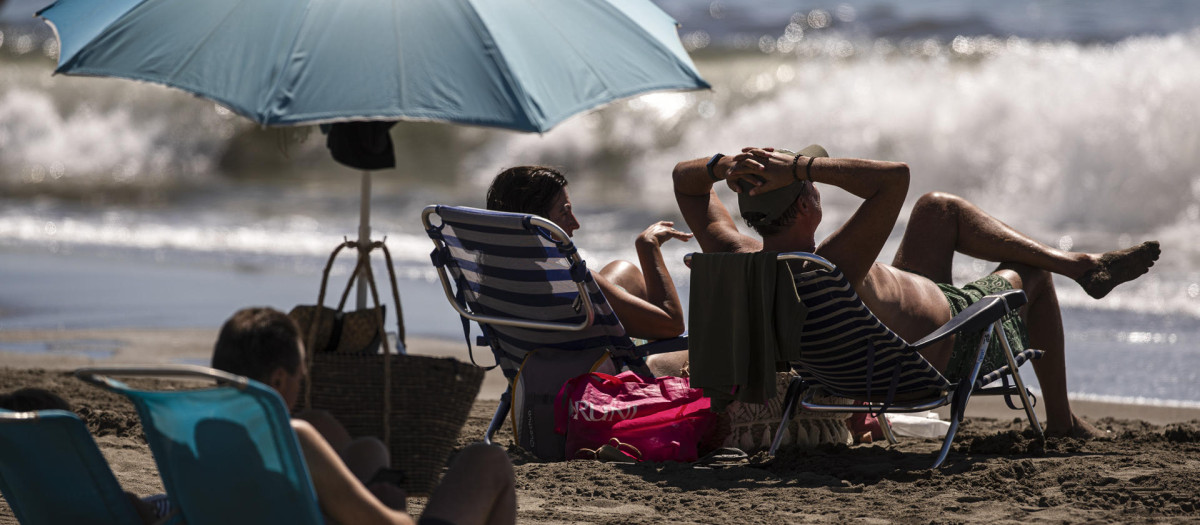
663	418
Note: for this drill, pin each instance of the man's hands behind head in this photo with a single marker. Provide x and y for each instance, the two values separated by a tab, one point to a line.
760	170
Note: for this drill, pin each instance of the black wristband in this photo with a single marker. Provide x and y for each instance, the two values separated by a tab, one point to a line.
808	169
713	162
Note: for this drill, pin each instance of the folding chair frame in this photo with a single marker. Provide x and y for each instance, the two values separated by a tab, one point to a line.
984	315
552	231
988	310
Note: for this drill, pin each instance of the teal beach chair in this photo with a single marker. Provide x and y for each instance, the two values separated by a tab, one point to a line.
845	351
52	472
227	453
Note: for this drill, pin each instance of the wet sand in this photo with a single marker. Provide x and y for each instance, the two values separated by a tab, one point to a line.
996	472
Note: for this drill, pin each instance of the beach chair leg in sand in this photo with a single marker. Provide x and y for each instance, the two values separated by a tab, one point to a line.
985	315
499	416
800	395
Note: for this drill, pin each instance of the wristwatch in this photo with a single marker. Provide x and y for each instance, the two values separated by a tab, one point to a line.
712	163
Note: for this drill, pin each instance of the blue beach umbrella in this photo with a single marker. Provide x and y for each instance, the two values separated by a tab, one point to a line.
523	65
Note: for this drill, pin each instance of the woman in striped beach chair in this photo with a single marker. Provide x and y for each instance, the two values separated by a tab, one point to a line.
643	299
515	271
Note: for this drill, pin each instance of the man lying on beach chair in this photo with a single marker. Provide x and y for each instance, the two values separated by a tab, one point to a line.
520	277
751	310
286	471
912	296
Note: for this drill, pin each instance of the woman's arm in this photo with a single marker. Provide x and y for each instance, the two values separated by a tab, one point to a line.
657	314
339	493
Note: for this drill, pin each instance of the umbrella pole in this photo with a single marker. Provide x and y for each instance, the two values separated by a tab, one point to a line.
364	235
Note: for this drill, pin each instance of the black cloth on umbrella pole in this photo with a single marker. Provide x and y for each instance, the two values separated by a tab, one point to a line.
366	146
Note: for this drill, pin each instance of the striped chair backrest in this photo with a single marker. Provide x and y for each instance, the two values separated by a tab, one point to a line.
840	336
505	265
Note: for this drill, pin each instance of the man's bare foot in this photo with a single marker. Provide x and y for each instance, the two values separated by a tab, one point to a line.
1117	267
1080	429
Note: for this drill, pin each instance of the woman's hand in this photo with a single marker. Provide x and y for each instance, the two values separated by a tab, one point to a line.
660	232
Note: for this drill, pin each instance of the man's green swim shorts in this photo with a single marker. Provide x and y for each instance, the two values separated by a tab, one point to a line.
965	345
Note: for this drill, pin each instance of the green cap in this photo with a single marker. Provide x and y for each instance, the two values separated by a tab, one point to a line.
767	207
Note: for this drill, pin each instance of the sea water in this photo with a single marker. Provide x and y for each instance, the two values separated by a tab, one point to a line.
131	205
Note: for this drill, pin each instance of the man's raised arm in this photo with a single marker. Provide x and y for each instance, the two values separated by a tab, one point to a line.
703	211
882	185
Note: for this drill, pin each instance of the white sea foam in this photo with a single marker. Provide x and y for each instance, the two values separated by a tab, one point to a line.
1071	143
1087	147
1143	401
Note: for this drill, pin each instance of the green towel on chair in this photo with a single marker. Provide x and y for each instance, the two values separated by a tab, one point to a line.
744	317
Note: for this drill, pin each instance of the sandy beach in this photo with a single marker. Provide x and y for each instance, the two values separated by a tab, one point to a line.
1146	474
135	218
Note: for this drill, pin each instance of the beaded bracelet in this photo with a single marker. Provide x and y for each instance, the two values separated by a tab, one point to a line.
795	163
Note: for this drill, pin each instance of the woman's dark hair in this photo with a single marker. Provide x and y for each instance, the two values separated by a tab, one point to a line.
31	399
525	189
256	341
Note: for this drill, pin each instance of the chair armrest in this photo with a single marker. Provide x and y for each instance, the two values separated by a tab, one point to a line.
660	346
976	317
99	376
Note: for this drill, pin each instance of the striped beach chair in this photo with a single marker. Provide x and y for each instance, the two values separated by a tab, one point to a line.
845	351
521	279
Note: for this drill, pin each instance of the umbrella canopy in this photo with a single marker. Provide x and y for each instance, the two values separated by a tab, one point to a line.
518	64
524	65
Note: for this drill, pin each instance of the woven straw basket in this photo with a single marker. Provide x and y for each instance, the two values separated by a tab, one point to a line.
431	399
416	404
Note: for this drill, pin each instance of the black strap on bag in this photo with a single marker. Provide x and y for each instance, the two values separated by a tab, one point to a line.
440	257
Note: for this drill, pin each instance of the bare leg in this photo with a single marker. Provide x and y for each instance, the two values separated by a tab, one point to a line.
364	456
668	363
479	488
942	224
626	275
1044	322
330	428
339	493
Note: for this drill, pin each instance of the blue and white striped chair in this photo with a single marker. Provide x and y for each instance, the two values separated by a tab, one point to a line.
522	280
847	352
